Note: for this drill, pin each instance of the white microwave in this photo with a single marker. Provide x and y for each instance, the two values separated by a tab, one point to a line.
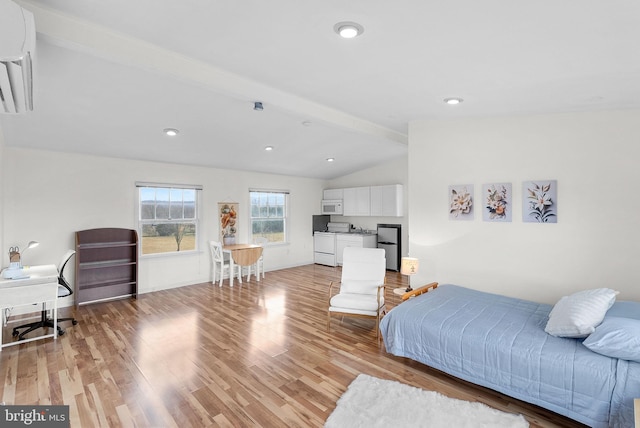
332	206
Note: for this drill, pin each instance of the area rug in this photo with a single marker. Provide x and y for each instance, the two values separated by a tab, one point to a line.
372	402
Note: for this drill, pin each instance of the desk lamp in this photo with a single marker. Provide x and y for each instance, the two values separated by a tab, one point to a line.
409	266
31	244
15	262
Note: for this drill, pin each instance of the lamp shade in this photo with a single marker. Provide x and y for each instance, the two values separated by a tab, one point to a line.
31	244
409	266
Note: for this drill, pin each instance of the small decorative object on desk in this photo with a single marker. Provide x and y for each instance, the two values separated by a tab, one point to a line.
409	266
13	271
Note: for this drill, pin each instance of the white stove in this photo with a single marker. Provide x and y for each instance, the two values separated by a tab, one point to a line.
324	243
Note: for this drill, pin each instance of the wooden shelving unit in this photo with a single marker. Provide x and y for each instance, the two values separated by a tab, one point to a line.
106	264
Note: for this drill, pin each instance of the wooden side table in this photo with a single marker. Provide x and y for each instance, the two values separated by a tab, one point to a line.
399	292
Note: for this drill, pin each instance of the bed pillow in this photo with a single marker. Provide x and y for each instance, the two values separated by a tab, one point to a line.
577	315
625	309
616	338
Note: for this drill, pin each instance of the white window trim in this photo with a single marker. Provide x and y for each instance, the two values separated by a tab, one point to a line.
287	217
198	188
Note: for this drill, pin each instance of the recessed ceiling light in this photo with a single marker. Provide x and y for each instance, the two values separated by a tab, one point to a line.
348	30
453	101
330	159
172	132
306	123
268	148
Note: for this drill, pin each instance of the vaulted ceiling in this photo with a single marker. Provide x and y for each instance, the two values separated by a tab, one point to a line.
111	75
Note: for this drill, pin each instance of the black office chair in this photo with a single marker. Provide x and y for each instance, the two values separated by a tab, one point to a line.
64	290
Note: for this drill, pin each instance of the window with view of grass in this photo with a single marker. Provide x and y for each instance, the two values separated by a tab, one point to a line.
168	218
268	211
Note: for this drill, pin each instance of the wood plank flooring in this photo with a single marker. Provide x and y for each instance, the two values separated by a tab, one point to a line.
257	354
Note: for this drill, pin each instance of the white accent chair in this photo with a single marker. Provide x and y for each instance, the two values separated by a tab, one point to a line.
220	264
362	286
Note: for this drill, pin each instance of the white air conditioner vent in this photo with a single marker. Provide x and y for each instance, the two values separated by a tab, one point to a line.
17	57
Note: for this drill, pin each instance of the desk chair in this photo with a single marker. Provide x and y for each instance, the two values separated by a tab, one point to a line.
64	290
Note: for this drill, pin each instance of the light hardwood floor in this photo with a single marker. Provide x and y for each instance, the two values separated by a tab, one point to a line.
257	354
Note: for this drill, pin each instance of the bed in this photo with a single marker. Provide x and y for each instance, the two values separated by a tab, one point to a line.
500	343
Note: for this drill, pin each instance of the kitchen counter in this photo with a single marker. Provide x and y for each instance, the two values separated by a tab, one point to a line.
353	239
360	232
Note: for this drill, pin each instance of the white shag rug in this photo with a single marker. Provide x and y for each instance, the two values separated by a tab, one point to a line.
372	402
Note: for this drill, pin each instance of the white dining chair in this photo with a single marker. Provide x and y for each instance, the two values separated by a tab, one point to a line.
261	240
220	264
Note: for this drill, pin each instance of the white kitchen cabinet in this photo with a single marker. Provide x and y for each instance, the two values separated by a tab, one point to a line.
344	240
332	194
356	201
386	200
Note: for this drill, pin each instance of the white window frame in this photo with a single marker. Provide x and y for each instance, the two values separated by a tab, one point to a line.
143	222
285	217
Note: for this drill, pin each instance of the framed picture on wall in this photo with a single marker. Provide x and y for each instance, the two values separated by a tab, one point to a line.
461	202
497	200
540	201
228	215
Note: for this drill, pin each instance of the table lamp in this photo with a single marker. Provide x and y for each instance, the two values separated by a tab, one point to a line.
409	266
31	244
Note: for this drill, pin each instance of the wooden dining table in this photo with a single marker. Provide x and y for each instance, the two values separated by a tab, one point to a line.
243	255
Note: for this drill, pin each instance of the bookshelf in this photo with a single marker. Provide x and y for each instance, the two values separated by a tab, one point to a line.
106	264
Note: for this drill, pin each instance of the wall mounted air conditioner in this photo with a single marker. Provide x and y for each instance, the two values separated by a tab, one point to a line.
17	57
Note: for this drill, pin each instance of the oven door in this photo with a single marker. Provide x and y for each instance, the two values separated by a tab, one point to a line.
324	248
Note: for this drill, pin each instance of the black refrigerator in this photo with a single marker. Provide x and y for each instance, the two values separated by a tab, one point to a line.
389	238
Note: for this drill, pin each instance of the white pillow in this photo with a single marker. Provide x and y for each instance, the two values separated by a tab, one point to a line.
578	315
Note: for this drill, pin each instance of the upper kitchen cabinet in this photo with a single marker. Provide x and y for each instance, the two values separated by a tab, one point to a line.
386	200
356	201
333	194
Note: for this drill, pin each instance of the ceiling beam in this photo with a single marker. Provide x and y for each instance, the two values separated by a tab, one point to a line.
80	35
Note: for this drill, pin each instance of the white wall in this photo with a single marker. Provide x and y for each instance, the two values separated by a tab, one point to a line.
49	196
393	172
596	242
2	168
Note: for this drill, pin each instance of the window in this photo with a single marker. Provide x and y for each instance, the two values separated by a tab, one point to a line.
268	215
168	217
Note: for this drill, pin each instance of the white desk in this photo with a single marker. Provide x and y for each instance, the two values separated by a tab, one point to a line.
41	286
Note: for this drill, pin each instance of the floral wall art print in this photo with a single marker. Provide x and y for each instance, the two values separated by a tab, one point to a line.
540	201
461	202
497	202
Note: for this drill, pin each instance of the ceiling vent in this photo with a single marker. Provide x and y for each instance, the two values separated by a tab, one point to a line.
17	58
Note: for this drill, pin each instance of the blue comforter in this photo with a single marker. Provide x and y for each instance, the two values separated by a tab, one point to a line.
499	342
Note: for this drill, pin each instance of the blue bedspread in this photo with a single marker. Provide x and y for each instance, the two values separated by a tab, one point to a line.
499	342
